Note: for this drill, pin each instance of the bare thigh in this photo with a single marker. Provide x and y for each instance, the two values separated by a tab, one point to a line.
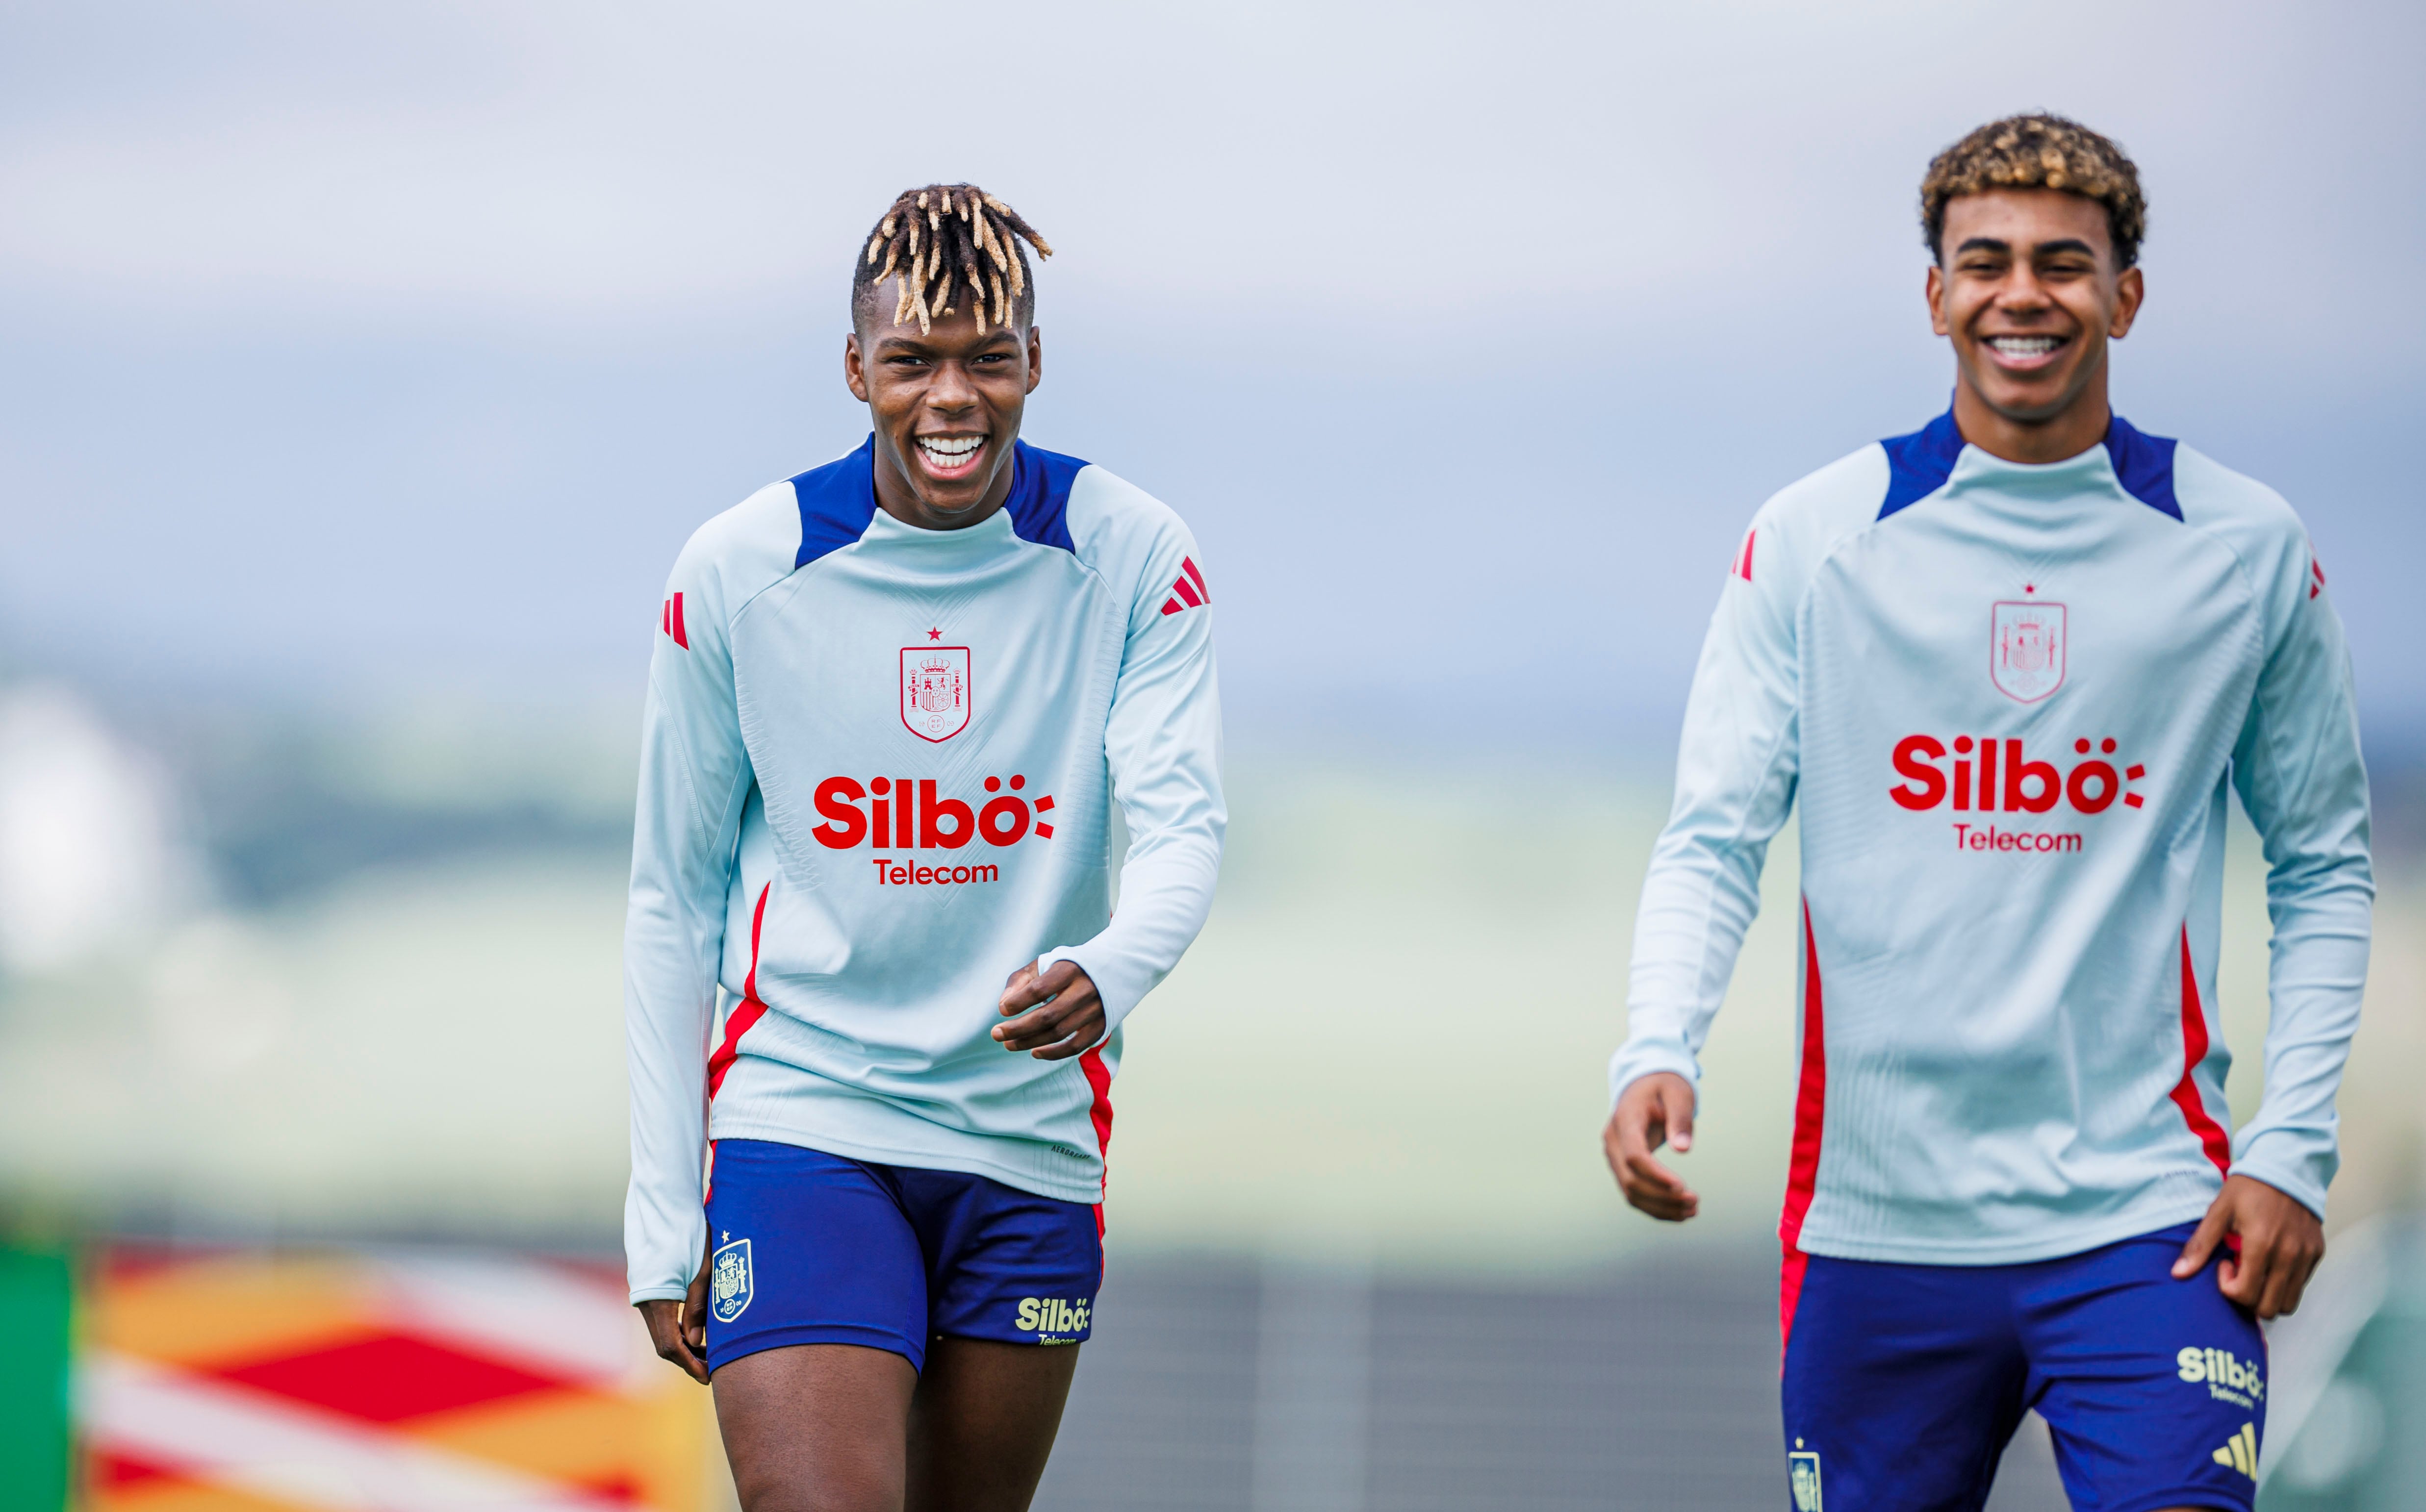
982	1423
817	1427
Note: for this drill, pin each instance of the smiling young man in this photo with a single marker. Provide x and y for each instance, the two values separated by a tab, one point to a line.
2011	664
893	702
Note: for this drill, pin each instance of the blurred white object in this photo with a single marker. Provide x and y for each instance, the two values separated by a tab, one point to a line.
2305	1350
87	855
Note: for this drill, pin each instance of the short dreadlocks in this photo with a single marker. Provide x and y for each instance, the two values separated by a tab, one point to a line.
946	238
2038	151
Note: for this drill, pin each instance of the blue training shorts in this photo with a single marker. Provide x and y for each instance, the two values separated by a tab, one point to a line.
1904	1383
811	1249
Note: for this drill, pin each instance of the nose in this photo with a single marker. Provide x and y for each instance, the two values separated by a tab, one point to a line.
2022	289
951	390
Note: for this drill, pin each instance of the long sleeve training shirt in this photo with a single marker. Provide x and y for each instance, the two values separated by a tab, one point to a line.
2010	700
877	776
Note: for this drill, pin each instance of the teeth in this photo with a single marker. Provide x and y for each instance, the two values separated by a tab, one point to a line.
2024	346
949	449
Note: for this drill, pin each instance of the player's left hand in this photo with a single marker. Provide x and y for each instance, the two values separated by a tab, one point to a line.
2280	1242
1059	1014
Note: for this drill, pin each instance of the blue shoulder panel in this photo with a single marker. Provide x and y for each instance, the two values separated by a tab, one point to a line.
1920	464
836	503
838	500
1040	496
2144	465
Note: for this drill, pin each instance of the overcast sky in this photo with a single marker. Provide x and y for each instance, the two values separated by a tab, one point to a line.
359	349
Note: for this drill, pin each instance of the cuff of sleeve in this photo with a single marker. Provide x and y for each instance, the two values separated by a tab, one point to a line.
1633	1062
658	1293
2287	1171
1117	997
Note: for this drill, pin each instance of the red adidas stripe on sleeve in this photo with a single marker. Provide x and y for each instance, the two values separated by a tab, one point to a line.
1189	586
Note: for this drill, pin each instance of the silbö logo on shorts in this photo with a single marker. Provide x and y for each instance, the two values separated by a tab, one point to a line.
728	1285
1052	1319
2240	1382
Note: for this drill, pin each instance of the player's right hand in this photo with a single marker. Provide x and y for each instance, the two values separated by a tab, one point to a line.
679	1330
1652	1111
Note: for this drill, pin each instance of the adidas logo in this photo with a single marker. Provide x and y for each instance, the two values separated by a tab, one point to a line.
1189	588
2240	1452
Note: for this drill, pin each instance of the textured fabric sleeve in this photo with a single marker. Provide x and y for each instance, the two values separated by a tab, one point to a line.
1163	744
695	777
2298	770
1735	769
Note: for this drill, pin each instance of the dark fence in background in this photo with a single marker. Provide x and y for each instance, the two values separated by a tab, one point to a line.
1222	1386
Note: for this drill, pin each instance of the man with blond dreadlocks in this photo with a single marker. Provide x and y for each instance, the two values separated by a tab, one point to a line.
893	702
2012	665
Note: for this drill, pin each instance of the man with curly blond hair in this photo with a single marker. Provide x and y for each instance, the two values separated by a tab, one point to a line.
2012	663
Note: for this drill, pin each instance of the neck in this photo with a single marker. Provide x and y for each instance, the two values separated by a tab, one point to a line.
2070	431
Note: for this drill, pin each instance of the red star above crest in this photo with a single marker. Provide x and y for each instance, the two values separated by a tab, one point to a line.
935	634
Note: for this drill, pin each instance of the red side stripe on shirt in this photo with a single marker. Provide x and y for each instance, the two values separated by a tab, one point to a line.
1188	565
1099	1077
681	637
2211	1137
745	1013
1803	1164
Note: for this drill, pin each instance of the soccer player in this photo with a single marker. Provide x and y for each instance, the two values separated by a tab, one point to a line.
2010	663
892	704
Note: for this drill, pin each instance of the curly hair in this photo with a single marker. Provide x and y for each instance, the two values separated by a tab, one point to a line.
2038	151
944	232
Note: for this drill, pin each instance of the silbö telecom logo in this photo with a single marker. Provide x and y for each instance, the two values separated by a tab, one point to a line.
1053	1319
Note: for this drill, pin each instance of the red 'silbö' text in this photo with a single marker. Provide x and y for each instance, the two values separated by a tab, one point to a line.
1990	775
896	813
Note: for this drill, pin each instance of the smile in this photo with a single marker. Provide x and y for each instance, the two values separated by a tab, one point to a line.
951	456
2025	351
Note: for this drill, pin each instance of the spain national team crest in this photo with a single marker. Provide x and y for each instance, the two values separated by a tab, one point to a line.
2025	649
1802	1476
935	690
728	1281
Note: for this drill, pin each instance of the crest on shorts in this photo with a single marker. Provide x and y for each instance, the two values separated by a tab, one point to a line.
1803	1474
728	1281
935	690
2025	649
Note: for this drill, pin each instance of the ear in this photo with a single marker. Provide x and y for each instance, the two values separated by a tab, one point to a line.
854	367
1936	292
1035	358
2129	290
